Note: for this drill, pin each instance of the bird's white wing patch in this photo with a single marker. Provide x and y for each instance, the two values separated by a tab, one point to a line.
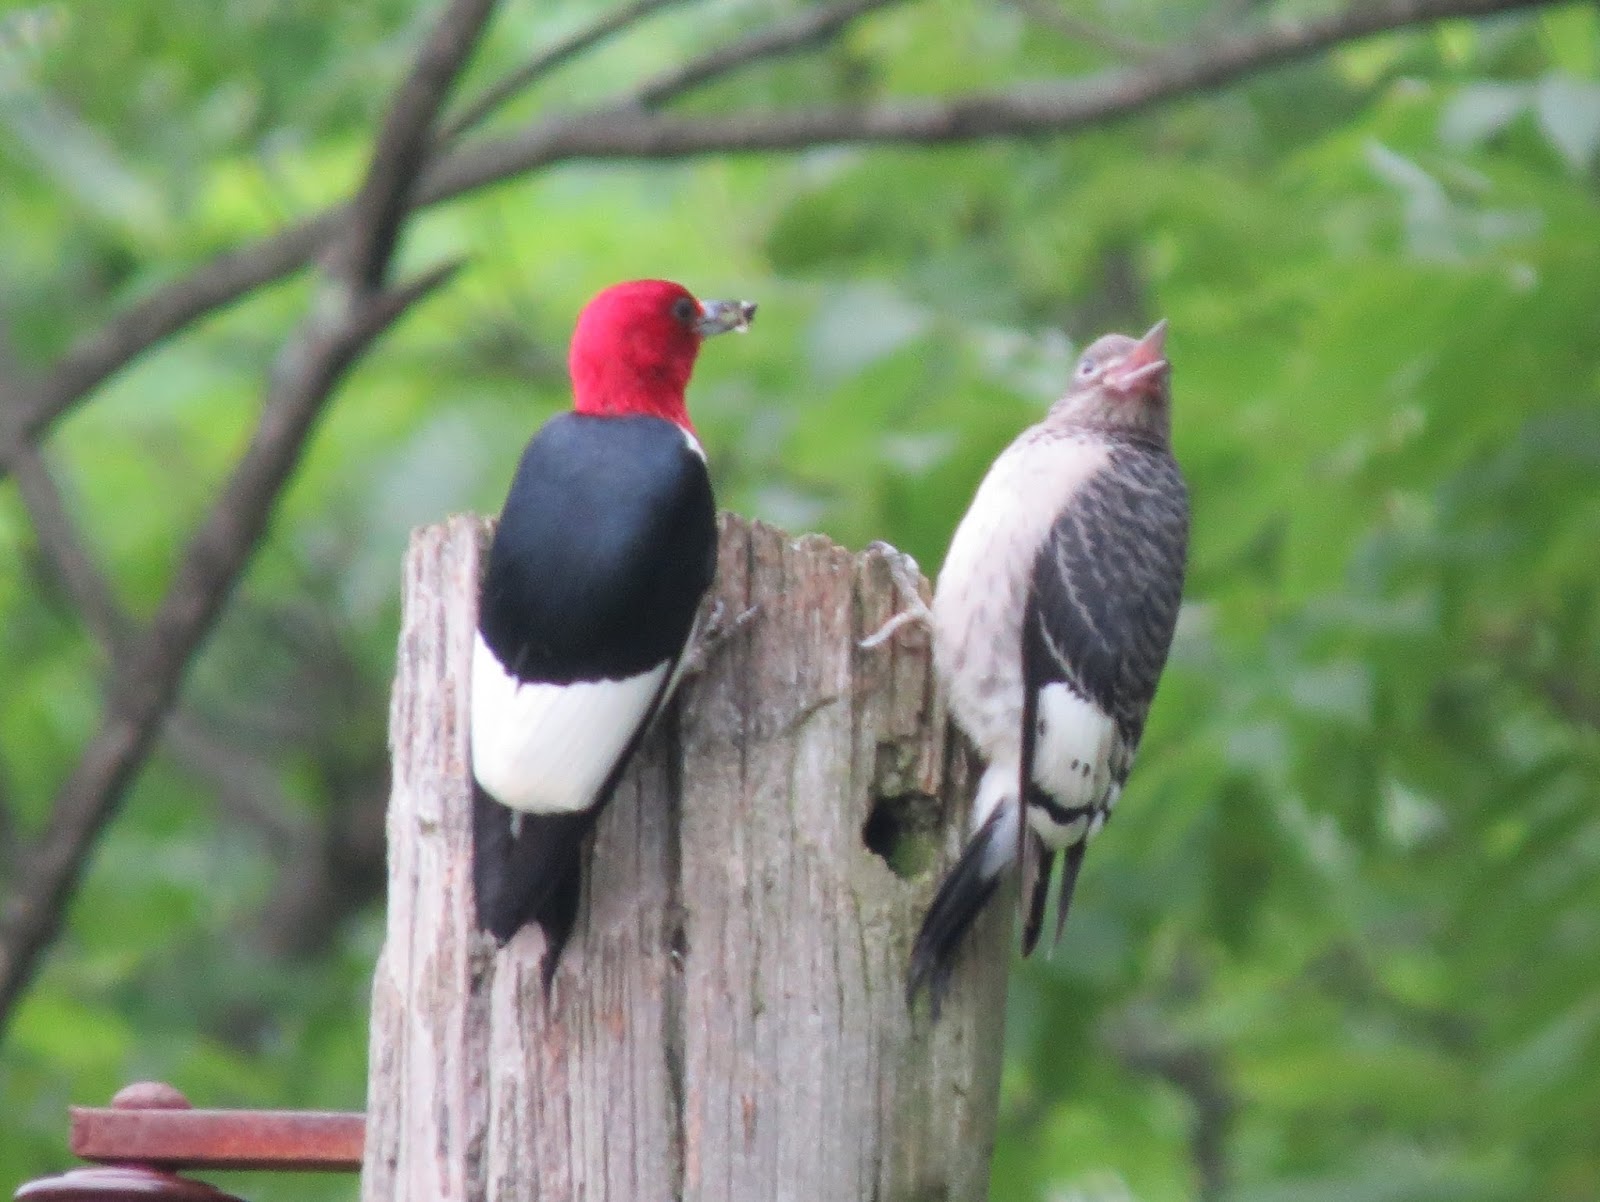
1072	747
547	748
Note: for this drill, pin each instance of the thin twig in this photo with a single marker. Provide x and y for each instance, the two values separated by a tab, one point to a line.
11	379
1076	29
246	787
66	553
402	146
546	63
27	412
8	824
1200	1074
12	375
813	27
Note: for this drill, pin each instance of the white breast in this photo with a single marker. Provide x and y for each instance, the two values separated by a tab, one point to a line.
545	748
983	586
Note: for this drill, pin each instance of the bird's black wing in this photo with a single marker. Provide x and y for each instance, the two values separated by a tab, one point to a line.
604	550
1102	606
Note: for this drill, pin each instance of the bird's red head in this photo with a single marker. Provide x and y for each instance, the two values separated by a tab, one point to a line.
635	345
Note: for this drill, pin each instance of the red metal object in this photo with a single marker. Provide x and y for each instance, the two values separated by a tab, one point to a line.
150	1129
321	1141
120	1183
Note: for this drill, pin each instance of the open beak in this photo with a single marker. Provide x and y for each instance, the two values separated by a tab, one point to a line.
718	317
1144	367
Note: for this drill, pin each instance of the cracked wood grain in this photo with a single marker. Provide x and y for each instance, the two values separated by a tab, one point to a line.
727	1023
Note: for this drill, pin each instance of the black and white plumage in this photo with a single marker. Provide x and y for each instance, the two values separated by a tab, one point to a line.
602	554
605	547
1052	619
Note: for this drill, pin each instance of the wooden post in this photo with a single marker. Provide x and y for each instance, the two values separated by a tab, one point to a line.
728	1022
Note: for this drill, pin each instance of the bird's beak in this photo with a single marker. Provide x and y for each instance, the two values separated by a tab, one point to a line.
1144	367
718	317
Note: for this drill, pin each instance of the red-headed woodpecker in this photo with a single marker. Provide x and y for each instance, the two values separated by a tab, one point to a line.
604	549
1052	618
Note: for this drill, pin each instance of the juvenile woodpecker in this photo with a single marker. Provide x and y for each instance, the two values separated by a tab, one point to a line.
604	549
1052	618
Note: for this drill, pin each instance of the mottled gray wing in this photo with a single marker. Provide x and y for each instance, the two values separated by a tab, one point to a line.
1105	591
1101	609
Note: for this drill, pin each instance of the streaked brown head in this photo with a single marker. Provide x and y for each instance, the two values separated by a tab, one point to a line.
1121	384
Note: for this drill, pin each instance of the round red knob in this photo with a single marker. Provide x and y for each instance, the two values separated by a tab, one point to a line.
120	1183
149	1095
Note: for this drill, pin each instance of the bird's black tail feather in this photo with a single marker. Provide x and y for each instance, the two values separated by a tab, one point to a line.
527	868
1038	861
1038	895
961	898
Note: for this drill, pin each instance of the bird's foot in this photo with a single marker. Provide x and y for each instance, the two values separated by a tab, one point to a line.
917	612
907	579
716	629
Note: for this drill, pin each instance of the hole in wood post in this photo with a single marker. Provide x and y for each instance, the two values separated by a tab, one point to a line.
678	940
903	831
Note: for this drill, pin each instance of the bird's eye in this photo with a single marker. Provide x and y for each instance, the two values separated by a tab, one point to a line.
685	310
1086	368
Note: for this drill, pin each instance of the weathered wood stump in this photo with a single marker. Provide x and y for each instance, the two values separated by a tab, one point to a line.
728	1021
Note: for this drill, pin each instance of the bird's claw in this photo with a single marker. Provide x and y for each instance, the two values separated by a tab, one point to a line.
907	579
715	631
915	613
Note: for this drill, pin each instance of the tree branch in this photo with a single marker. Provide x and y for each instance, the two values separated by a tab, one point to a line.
546	62
12	374
8	823
348	313
94	358
1075	29
241	781
402	147
1198	1074
246	786
1028	111
813	27
1141	1038
147	677
67	554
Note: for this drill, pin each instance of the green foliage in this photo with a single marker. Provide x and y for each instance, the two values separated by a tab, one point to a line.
1340	941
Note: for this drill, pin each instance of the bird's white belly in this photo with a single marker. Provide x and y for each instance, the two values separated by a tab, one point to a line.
546	748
